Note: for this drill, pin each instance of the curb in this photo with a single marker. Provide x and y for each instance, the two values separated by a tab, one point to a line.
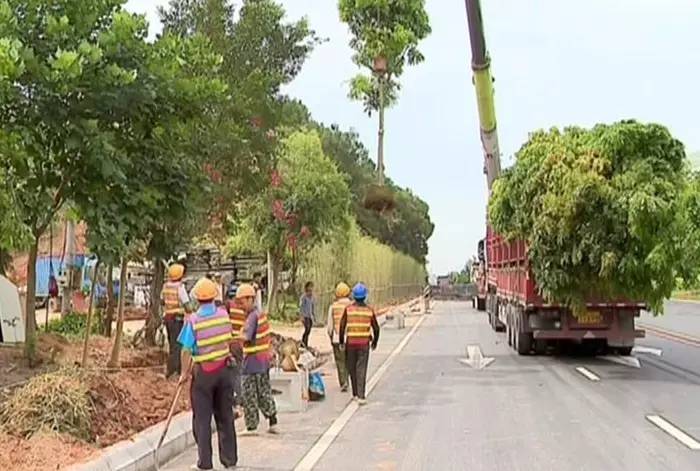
138	452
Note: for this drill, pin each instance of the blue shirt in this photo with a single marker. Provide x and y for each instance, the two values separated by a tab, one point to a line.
187	338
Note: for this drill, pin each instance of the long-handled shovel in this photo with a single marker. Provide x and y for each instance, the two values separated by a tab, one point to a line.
170	415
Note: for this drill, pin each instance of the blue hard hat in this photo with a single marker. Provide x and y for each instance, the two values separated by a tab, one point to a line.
359	291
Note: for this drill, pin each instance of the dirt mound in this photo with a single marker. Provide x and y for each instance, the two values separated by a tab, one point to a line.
42	452
128	402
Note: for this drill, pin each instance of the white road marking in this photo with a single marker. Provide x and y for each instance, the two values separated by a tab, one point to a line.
650	350
627	361
316	452
588	373
674	431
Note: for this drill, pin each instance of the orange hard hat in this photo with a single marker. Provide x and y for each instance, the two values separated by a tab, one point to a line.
175	271
342	290
245	290
205	290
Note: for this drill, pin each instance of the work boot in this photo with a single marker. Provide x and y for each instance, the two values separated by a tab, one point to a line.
195	467
362	402
248	433
273	425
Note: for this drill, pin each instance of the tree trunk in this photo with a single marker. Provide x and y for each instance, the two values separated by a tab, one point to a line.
109	312
30	304
380	134
275	263
116	347
154	321
88	323
67	296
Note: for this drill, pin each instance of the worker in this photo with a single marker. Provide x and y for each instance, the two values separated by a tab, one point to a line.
237	316
307	312
358	330
335	314
205	340
257	353
175	302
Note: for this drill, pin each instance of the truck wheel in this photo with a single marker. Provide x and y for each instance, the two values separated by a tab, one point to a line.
480	304
524	341
540	347
509	335
624	351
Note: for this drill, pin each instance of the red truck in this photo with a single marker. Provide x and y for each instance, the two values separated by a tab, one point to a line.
507	288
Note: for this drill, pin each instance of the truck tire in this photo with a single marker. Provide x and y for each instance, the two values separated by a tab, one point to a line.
523	340
480	304
624	351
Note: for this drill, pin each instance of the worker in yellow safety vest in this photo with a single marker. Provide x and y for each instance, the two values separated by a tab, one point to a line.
335	314
175	302
206	340
257	353
359	330
237	315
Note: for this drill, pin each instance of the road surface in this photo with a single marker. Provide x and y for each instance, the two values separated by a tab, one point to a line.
431	412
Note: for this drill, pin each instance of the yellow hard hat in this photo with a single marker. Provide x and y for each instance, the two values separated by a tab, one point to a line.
245	290
175	271
205	290
342	290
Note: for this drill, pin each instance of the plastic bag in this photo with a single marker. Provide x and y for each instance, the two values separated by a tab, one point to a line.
317	390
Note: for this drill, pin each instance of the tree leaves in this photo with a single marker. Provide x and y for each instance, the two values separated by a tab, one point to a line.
601	210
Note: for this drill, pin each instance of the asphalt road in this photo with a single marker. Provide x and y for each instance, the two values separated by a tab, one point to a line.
521	413
430	412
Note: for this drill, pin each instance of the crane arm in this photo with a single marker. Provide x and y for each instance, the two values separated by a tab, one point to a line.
483	83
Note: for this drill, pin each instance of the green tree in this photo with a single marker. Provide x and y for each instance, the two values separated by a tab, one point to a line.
385	37
306	202
261	52
61	68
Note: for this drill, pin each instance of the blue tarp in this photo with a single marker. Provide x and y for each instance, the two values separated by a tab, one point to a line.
43	265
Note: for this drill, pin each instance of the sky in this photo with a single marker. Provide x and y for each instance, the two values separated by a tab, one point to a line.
555	63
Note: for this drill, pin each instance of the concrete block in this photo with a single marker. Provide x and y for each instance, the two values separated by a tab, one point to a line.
400	320
293	390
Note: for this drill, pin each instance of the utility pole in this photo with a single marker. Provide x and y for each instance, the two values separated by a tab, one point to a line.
68	267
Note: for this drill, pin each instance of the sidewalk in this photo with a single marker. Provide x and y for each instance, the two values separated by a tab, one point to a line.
299	431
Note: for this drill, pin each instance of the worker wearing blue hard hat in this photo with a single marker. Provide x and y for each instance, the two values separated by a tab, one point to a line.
359	330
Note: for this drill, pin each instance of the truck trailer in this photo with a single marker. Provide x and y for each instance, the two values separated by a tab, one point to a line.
507	288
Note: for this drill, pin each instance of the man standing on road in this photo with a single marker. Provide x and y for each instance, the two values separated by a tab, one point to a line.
335	314
205	340
358	329
307	312
175	302
257	352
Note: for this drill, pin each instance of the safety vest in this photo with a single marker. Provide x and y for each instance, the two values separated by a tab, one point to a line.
213	335
237	317
260	347
338	308
171	298
358	327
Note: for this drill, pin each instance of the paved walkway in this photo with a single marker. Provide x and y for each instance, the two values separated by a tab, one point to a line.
299	431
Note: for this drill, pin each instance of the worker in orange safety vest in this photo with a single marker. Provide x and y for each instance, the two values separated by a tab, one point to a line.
335	314
206	340
237	315
257	354
175	302
359	330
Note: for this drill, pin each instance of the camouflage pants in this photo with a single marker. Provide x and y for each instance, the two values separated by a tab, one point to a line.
257	396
